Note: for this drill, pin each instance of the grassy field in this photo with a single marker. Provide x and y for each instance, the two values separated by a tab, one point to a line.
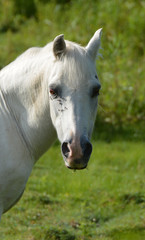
105	201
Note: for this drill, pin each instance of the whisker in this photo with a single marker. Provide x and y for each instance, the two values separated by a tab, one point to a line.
101	108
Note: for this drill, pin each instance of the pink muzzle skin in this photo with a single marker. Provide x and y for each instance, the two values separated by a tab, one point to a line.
76	155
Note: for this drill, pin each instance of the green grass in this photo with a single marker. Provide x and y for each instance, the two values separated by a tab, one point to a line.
105	201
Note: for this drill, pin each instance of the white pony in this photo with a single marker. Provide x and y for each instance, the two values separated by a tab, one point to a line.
46	92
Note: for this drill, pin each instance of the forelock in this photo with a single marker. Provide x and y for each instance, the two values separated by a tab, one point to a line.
75	61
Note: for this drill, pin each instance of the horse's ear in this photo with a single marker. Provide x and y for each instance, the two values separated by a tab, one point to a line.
94	44
59	46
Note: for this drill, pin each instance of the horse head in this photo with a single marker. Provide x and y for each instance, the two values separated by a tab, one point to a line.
73	90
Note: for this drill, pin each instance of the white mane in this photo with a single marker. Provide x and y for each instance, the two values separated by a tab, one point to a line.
35	59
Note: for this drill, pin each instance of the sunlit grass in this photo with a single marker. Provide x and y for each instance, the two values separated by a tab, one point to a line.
95	203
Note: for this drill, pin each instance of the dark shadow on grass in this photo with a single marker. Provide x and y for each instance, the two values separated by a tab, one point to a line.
59	234
136	198
47	200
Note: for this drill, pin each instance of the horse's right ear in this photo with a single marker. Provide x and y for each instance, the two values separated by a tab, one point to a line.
59	46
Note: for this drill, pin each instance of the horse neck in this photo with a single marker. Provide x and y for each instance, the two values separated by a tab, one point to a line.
25	90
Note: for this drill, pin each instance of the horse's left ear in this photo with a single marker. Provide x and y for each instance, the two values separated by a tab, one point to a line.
59	46
94	44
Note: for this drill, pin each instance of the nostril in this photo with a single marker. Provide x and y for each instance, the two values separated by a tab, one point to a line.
87	149
65	149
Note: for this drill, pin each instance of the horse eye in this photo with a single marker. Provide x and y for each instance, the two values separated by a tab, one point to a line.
95	92
53	92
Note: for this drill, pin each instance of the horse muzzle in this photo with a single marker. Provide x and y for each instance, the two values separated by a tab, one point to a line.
76	154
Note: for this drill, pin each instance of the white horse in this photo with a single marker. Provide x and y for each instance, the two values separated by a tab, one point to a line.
46	92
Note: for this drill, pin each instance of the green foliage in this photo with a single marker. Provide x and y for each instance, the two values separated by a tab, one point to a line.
7	20
56	1
121	71
26	8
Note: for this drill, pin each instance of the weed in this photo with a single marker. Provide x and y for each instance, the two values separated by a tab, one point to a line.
56	234
137	198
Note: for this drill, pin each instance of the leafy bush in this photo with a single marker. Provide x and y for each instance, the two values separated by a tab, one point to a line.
25	8
56	1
